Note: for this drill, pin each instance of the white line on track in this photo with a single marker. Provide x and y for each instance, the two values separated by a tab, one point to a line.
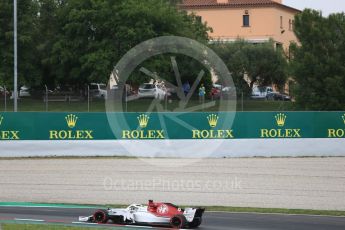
130	226
34	220
84	223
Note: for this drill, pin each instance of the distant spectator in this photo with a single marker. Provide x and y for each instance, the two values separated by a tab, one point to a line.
202	92
186	88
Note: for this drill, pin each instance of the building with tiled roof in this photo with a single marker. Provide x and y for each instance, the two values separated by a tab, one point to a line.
256	21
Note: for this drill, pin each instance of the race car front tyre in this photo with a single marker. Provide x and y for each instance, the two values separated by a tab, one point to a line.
101	216
178	221
196	222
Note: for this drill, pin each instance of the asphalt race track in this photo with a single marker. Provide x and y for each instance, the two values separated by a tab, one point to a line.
212	220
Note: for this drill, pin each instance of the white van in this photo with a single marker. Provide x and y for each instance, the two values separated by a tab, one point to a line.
261	92
98	90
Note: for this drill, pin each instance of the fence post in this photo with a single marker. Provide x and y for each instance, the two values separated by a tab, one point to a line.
126	97
242	99
46	97
88	98
166	102
5	97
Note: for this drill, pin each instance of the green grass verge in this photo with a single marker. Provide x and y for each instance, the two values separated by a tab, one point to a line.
31	105
45	227
276	211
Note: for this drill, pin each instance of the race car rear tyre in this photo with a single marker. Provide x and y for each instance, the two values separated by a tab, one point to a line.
101	216
196	222
178	221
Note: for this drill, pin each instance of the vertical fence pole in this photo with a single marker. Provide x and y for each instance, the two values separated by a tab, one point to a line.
88	98
5	97
46	98
242	99
166	102
15	91
126	97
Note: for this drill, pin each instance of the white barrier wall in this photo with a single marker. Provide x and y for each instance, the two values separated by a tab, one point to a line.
177	148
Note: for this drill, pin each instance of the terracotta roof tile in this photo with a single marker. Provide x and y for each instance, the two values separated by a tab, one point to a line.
198	2
230	3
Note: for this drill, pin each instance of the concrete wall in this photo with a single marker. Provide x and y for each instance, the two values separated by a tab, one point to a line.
178	148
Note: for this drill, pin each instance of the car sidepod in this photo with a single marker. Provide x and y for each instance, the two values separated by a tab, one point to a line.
149	218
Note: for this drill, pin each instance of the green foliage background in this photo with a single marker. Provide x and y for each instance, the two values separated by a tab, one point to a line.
75	42
262	63
318	62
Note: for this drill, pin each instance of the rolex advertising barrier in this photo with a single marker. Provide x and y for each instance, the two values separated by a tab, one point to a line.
220	134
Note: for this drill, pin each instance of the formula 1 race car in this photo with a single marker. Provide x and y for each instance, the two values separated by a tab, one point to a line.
154	214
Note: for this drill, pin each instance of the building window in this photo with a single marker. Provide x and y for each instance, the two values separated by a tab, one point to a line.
281	22
246	22
279	46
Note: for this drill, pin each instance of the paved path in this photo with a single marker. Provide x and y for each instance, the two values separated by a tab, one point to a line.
308	183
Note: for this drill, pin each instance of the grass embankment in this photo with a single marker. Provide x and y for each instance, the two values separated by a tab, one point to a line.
44	227
277	211
29	105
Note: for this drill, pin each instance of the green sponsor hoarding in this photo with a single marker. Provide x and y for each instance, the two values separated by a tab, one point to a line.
221	125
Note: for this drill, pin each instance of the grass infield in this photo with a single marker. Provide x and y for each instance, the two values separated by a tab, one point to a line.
277	211
45	227
32	105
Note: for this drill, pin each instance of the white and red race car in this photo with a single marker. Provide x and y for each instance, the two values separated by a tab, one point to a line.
153	214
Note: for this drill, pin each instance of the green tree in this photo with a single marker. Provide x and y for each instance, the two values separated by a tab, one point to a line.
28	71
262	63
48	30
318	62
94	35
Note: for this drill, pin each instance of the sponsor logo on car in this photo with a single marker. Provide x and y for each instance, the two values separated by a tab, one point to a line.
71	134
163	209
280	120
212	133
